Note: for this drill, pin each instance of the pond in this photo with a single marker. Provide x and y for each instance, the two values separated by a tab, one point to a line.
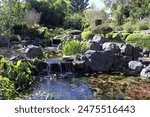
102	87
61	89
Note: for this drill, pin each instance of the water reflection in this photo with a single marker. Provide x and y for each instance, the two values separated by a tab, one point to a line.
61	89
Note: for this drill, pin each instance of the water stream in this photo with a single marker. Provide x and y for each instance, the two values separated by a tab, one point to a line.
60	86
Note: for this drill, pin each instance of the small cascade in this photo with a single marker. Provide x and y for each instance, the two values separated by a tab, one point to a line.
63	69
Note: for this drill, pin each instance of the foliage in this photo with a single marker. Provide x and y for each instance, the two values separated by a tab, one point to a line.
140	39
73	47
31	17
73	21
7	90
86	34
12	13
52	12
142	25
78	5
102	29
124	36
20	73
118	28
128	27
92	15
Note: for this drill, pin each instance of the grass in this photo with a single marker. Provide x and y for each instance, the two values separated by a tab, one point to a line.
73	47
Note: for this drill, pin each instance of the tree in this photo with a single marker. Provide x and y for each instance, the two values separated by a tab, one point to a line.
11	13
78	5
91	15
53	12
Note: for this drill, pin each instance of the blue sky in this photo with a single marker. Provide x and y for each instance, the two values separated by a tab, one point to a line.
99	4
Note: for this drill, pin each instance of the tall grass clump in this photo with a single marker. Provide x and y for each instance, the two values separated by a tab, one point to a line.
74	47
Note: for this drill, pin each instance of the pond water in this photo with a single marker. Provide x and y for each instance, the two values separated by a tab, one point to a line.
49	88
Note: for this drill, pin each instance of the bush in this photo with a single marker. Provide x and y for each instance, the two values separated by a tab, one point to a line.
141	39
20	73
142	25
102	29
109	35
118	28
12	13
86	35
73	21
128	27
73	47
124	36
7	90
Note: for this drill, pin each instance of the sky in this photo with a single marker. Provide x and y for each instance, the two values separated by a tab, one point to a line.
99	4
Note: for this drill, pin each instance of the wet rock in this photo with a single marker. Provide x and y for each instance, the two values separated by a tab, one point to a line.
146	72
98	39
94	46
126	49
111	46
41	67
137	52
136	66
77	37
4	41
56	41
68	58
51	50
100	61
33	52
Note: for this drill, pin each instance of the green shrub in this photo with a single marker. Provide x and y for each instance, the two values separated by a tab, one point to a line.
86	34
12	13
73	21
7	90
73	47
74	32
109	35
142	25
124	36
118	28
141	39
115	35
128	27
20	73
102	29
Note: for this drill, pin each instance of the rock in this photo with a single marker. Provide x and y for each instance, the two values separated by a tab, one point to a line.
137	52
98	39
27	38
68	58
80	66
94	46
77	37
100	61
146	72
56	41
111	46
4	41
41	67
67	37
126	49
135	66
51	50
146	53
33	52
